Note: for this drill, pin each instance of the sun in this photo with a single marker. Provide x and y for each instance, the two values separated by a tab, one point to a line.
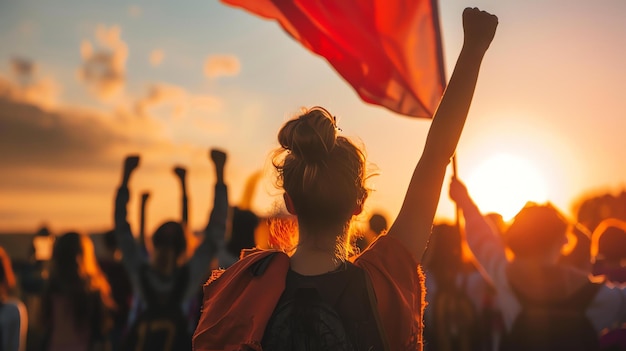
504	183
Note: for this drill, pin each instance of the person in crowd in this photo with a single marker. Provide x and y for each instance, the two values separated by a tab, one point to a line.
137	304
121	289
312	296
545	305
608	250
13	315
608	256
141	239
453	316
32	276
77	301
167	279
377	225
243	226
580	255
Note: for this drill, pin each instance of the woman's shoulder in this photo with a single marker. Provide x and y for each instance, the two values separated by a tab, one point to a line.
386	248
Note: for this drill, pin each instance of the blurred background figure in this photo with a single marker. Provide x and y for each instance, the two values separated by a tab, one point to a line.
121	288
167	282
608	250
32	275
546	305
377	225
454	293
77	301
579	255
13	315
608	256
244	224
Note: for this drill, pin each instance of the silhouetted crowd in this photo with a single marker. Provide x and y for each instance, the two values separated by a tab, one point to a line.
72	300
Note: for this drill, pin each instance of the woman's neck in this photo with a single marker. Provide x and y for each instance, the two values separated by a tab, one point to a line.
316	253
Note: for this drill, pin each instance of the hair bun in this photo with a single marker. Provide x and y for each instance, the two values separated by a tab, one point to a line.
311	136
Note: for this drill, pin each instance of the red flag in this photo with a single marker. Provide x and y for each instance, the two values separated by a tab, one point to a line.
388	50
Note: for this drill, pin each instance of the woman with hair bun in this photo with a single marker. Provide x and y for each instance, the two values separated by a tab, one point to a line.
315	296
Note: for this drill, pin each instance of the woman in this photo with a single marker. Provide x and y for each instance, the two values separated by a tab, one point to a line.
168	279
315	297
13	317
77	301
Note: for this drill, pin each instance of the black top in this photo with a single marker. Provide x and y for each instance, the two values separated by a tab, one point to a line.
331	311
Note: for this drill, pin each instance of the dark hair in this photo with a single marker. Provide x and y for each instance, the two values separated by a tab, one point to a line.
535	230
244	225
170	235
378	223
323	173
75	274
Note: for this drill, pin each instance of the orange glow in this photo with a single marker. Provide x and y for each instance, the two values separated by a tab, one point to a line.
504	183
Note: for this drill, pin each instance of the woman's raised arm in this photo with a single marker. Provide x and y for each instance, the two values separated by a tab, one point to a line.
413	224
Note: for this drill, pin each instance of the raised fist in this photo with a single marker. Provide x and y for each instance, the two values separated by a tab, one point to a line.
458	191
180	172
479	28
145	196
130	163
218	157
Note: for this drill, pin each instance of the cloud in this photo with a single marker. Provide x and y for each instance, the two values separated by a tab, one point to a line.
134	11
27	85
176	97
36	134
205	102
22	67
51	139
160	94
63	165
26	28
156	57
221	65
104	69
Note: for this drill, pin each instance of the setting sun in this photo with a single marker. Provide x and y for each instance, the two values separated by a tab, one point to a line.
504	183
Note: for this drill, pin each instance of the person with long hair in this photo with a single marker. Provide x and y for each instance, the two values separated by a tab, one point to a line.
77	301
13	316
315	296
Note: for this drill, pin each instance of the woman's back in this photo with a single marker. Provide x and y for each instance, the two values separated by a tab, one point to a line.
333	311
67	334
77	300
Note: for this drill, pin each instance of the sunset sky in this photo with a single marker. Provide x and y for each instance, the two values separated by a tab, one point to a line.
84	83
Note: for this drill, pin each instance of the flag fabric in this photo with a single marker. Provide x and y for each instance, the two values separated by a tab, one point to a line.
389	50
